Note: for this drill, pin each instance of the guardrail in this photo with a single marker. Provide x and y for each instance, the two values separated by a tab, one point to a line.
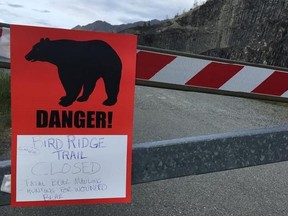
184	71
153	161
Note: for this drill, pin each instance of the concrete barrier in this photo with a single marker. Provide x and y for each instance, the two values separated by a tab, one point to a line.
212	153
166	159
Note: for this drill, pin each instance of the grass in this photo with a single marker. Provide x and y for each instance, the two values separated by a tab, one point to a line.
5	100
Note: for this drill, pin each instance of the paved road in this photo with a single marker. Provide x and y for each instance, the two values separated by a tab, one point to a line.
165	114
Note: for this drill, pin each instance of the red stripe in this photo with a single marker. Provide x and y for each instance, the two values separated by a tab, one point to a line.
1	31
148	63
214	75
276	84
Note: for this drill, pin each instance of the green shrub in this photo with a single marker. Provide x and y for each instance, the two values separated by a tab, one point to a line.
5	99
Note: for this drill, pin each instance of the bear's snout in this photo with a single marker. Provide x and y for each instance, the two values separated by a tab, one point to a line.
28	57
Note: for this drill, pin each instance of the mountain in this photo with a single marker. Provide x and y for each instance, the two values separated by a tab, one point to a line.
246	30
107	27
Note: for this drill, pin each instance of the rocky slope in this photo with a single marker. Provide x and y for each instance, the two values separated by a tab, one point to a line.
247	30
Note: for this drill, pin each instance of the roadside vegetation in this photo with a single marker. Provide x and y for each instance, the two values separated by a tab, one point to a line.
5	101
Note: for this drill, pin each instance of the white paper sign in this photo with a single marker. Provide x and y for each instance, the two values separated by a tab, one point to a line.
69	167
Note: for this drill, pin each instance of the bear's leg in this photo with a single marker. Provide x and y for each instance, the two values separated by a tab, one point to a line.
88	88
70	97
72	86
112	90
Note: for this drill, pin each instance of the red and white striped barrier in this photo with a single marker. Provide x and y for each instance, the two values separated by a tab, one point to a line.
196	72
4	43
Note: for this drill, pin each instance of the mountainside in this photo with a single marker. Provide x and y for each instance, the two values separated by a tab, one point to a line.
246	30
107	27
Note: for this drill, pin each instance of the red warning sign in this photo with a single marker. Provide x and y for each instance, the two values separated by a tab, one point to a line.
72	116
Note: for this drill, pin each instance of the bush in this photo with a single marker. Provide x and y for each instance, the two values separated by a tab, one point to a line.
5	99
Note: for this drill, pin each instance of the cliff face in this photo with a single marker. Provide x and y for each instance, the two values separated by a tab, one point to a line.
246	30
257	33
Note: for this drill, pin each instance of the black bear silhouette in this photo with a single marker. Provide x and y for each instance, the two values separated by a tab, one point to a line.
80	64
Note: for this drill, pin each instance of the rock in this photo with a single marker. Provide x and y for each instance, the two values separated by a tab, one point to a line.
246	30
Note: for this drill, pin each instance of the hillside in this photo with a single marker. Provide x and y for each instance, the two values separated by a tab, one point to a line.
246	30
107	27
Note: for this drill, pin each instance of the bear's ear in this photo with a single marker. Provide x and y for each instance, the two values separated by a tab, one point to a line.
44	39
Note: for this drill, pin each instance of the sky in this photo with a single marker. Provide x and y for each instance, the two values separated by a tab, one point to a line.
69	13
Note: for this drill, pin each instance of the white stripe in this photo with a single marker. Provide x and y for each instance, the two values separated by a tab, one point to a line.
5	43
247	79
285	94
180	70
